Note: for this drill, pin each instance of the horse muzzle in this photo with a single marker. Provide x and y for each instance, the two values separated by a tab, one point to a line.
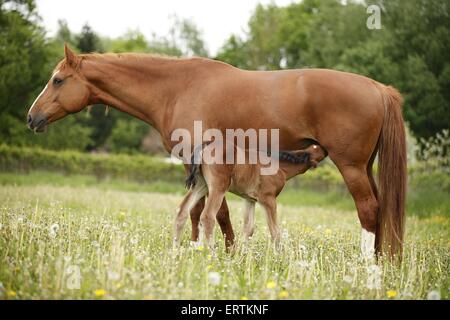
37	123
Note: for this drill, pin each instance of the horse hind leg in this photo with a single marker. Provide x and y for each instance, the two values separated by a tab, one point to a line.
360	186
375	192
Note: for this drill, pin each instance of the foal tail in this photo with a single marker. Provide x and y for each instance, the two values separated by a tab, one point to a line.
392	175
194	166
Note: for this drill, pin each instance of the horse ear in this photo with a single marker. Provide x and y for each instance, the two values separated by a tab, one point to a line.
71	57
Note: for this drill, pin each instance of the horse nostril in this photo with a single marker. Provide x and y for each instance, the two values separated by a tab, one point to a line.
29	119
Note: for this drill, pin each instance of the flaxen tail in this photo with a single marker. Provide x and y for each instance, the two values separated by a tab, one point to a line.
392	175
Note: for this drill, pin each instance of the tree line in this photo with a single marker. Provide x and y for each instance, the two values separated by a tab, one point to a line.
411	51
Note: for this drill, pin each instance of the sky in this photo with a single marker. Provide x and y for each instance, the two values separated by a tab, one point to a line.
112	18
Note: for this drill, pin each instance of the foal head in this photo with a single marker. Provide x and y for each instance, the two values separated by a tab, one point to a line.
316	154
66	92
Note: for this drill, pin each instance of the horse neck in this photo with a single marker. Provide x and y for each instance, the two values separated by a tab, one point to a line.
142	86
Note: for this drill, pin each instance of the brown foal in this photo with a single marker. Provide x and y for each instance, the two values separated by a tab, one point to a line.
245	180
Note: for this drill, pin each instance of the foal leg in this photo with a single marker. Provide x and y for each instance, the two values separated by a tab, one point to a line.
208	217
223	218
189	201
249	218
269	205
359	185
196	211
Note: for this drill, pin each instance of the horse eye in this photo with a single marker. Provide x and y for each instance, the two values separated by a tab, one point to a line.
57	81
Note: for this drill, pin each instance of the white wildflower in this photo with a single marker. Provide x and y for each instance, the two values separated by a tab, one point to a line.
374	277
95	244
53	230
303	264
214	278
134	240
113	276
434	295
348	279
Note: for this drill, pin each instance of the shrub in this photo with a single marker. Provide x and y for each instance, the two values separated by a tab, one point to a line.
137	167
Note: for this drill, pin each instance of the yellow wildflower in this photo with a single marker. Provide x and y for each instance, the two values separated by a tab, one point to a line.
200	248
328	232
244	298
391	294
283	294
99	293
208	267
11	293
271	284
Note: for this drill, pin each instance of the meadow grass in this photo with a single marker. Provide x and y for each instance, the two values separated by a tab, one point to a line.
60	241
424	199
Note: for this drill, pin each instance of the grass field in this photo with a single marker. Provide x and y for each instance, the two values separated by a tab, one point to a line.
75	238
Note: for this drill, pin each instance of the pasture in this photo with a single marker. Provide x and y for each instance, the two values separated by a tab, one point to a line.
73	238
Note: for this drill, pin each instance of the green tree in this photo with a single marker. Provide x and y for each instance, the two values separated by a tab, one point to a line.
188	38
23	58
126	136
88	41
132	41
411	51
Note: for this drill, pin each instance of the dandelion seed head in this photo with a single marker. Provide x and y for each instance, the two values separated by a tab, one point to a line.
214	278
53	230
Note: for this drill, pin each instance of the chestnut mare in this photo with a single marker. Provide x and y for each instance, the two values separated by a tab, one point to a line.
352	117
